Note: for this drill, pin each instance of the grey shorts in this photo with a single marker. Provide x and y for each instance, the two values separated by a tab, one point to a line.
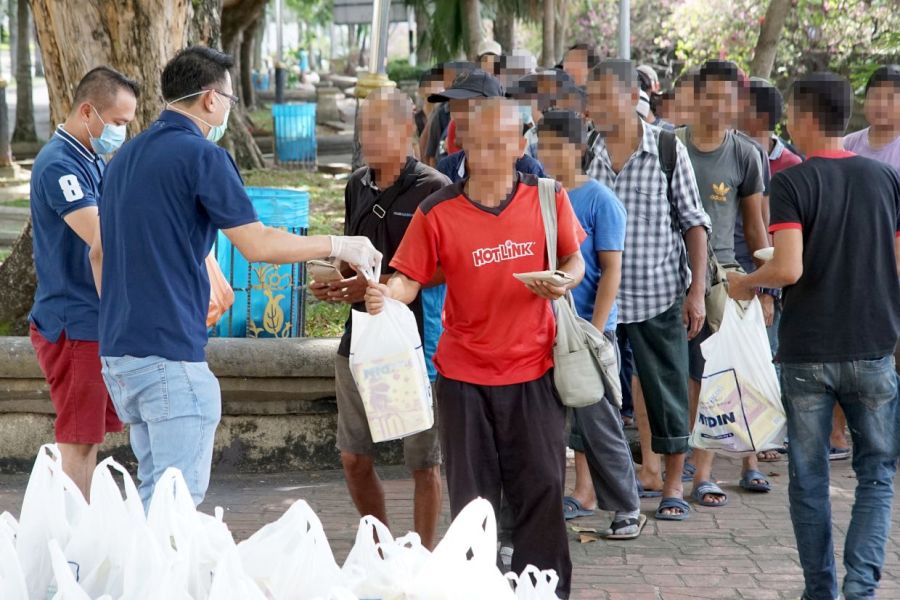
420	451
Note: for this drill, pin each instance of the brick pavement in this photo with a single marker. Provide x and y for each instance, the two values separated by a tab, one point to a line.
745	550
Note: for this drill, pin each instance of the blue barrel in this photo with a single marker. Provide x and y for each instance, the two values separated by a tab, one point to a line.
269	300
295	132
304	61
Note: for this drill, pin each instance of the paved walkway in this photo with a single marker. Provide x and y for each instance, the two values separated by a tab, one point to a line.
745	550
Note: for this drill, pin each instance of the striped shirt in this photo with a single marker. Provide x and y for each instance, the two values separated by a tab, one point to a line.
655	267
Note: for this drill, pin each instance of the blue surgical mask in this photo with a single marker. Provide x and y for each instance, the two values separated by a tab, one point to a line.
111	138
215	132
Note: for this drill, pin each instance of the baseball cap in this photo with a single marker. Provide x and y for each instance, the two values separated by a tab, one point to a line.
489	47
474	84
650	72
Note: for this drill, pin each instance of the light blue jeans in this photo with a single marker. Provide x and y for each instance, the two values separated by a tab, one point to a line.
867	392
172	409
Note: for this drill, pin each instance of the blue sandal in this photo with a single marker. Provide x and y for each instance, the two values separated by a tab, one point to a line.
572	509
708	488
751	475
642	493
670	503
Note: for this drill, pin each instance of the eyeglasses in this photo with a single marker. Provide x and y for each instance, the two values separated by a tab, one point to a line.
231	98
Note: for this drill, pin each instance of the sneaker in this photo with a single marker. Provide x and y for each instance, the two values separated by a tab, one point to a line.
839	454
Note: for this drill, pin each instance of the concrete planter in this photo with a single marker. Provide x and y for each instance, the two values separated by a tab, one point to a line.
278	407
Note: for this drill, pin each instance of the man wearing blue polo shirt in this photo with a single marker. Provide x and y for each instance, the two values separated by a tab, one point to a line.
65	186
164	199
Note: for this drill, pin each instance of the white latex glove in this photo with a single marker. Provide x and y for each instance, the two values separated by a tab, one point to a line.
359	253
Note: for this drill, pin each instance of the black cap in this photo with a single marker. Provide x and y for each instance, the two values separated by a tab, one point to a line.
474	84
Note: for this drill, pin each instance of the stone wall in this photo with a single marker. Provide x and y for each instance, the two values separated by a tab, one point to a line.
278	407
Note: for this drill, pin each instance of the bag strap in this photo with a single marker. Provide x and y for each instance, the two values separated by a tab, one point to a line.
547	195
668	160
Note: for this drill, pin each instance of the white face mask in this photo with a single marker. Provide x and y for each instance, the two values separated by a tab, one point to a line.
215	131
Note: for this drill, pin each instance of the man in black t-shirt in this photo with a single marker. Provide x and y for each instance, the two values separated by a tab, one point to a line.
380	200
836	222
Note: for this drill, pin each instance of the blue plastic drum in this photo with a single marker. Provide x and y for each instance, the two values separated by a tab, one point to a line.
268	299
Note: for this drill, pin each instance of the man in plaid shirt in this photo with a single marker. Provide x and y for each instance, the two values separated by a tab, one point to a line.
661	298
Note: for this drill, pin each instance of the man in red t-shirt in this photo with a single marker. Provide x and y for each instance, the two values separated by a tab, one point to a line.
502	424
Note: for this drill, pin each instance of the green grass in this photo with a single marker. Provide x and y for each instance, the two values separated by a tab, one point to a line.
20	203
326	195
262	121
326	217
3	255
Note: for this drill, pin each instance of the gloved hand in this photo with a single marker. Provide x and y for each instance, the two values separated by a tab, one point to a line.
358	252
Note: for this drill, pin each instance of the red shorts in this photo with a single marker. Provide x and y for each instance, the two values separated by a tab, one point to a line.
84	411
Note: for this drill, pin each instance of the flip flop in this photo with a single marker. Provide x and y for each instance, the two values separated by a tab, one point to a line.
708	488
572	509
642	493
749	476
670	503
619	525
839	453
688	473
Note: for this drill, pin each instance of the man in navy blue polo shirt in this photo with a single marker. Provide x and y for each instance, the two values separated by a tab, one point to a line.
65	186
164	199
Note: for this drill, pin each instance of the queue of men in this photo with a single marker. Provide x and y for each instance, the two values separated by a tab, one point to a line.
648	196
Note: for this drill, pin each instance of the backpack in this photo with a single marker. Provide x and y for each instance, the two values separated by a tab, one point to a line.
716	274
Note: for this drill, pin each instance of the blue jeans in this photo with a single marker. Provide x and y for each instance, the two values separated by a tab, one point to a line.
867	392
172	409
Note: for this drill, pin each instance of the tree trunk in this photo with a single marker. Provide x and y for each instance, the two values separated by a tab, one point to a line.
505	28
548	45
561	29
38	60
472	25
423	48
769	33
24	130
11	11
136	37
17	285
206	24
258	36
238	18
248	93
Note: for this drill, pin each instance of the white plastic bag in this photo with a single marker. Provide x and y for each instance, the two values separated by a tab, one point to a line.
12	579
53	505
534	584
740	408
388	365
66	586
291	558
382	569
230	582
450	573
99	544
193	541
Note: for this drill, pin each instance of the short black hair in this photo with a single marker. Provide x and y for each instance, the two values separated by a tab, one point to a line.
722	70
432	75
193	70
766	100
593	57
621	68
889	74
100	86
564	123
828	97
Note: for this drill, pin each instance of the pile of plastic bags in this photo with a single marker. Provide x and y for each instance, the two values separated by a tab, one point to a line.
63	548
